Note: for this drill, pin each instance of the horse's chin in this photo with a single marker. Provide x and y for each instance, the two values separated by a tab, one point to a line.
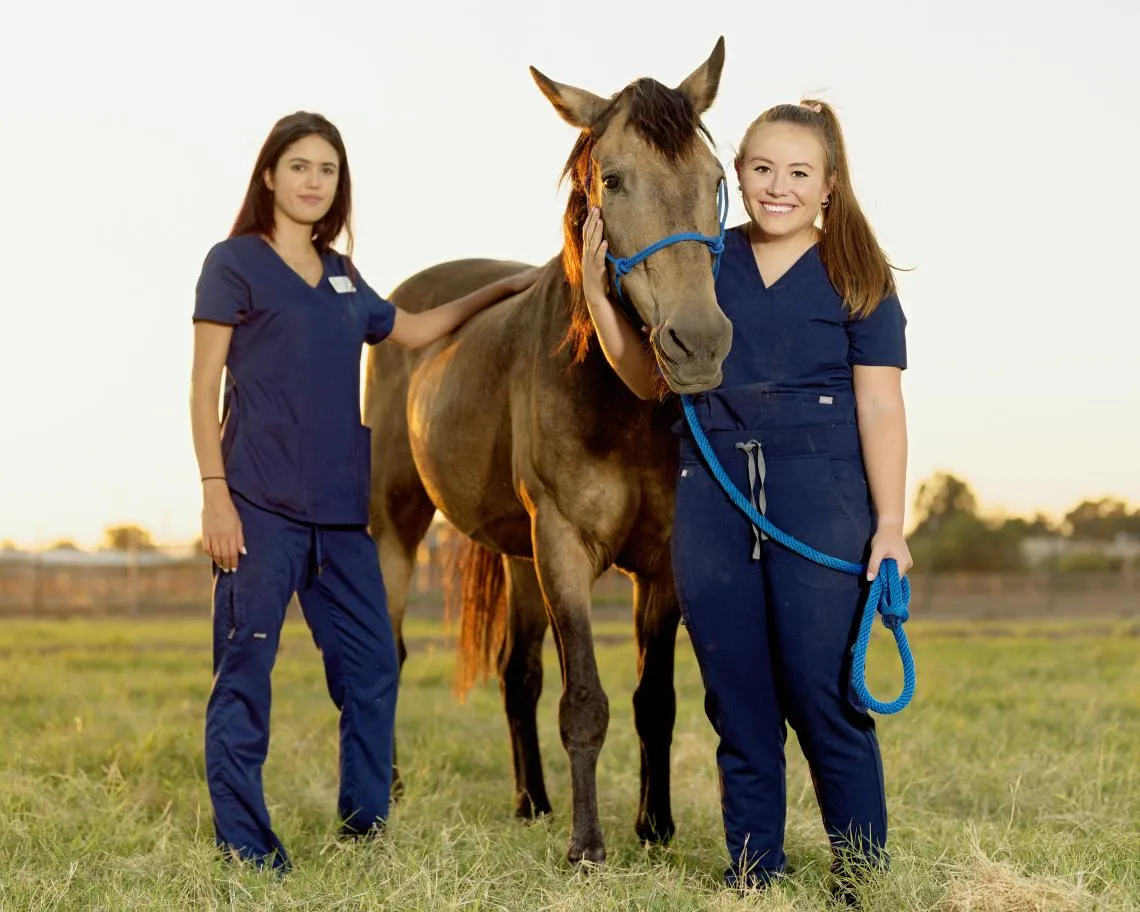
690	386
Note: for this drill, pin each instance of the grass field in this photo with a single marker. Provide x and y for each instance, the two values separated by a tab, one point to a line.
1013	782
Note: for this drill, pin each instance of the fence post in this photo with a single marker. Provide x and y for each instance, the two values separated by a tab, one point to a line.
133	577
37	584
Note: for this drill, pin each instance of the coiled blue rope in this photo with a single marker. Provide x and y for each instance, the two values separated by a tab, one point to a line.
889	594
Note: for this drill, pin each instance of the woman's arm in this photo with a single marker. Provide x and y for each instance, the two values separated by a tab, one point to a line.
882	434
415	330
622	344
221	528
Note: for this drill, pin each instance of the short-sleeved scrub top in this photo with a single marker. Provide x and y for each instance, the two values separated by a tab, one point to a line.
797	335
292	438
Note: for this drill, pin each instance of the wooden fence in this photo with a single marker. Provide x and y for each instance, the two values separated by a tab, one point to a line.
41	588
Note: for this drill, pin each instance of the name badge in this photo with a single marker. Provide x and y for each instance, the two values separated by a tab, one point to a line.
343	284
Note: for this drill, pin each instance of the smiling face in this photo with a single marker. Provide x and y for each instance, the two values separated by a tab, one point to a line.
783	179
305	180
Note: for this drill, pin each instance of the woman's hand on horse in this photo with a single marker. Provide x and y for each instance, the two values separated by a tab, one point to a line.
521	281
221	528
594	249
889	541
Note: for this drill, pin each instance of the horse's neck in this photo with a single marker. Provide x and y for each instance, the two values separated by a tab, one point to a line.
597	384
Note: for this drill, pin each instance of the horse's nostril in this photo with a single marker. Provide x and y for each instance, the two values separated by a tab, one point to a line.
677	341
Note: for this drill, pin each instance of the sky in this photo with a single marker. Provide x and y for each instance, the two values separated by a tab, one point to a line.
992	146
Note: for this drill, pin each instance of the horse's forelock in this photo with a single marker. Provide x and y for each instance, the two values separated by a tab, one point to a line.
664	117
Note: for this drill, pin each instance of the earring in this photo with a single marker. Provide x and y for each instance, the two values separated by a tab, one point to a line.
823	203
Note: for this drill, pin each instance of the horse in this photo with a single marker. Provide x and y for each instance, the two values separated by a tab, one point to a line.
520	433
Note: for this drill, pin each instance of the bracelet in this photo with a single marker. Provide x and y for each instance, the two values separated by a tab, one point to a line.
213	477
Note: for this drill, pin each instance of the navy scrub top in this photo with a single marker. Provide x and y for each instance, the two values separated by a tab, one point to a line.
292	438
798	335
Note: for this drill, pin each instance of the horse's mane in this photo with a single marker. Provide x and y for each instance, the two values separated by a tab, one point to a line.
665	118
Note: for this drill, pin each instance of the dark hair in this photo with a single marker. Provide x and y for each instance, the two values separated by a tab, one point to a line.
256	214
855	263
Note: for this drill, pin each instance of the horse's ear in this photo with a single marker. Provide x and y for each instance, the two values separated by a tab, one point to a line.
578	107
702	83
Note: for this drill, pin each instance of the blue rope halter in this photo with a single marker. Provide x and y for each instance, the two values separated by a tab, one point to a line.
624	265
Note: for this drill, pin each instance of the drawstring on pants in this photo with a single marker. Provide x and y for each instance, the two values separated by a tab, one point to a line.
757	472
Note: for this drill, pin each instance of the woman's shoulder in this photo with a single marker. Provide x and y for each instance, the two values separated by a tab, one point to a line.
234	252
736	235
736	242
340	261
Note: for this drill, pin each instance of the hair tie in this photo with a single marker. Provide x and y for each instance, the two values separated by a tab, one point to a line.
816	108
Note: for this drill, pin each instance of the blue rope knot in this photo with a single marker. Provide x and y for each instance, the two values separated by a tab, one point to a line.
889	599
893	605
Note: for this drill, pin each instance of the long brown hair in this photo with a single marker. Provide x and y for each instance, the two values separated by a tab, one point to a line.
256	214
855	263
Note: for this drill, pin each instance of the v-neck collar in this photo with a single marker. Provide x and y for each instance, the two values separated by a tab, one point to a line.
796	263
300	278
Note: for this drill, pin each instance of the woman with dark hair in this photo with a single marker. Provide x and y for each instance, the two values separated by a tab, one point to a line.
286	474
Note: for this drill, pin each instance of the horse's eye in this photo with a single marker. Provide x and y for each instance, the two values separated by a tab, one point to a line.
611	182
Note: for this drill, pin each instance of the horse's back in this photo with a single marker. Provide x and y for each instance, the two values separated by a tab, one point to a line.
440	415
442	282
389	366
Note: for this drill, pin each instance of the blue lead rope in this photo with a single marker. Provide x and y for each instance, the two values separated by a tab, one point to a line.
891	599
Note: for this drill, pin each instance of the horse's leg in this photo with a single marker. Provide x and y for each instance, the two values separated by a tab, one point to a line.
520	679
397	536
566	573
656	615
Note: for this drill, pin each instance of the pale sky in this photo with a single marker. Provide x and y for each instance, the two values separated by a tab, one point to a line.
992	146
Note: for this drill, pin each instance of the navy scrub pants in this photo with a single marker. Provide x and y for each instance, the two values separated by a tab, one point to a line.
771	630
336	574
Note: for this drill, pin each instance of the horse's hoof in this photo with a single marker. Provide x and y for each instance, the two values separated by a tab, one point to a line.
655	834
587	858
527	809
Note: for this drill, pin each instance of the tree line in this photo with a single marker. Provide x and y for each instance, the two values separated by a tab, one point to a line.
952	535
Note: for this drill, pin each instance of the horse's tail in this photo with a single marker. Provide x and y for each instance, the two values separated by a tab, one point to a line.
476	585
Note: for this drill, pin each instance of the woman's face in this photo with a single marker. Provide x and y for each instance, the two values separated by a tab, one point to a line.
783	178
305	180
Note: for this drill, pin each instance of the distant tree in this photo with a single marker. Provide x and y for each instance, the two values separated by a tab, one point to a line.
64	545
1088	562
940	498
1042	525
1102	520
1020	528
963	541
8	545
128	538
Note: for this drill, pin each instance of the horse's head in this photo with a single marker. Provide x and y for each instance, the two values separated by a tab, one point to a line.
642	156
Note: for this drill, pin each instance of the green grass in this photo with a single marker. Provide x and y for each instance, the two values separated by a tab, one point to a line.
1013	782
